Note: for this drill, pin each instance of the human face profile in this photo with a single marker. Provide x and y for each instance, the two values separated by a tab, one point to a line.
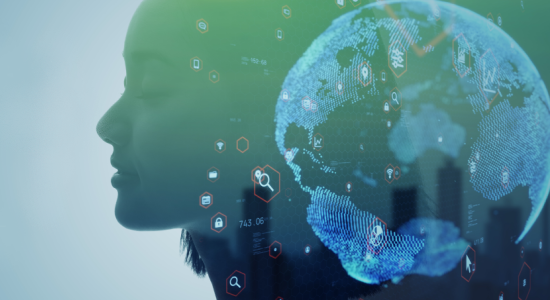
152	127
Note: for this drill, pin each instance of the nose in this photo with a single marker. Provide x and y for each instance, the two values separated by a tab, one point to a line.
114	127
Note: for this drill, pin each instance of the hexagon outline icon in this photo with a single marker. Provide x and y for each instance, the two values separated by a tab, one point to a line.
224	224
211	199
289	11
227	280
398	96
369	74
461	264
217	76
280	247
385	236
247	144
275	191
192	63
208	174
216	145
200	29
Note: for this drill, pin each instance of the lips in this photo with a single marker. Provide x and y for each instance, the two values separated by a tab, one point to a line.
124	177
120	180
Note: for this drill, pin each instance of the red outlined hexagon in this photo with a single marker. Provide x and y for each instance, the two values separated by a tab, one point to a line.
362	148
339	87
490	21
275	249
463	274
375	249
307	249
227	284
217	174
217	146
385	108
314	106
214	76
193	64
279	298
279	34
398	98
241	147
521	252
349	186
283	97
214	219
355	3
389	124
387	176
289	154
202	26
318	142
383	76
272	172
396	172
306	103
482	87
211	199
398	47
340	3
505	181
360	76
461	36
526	271
286	11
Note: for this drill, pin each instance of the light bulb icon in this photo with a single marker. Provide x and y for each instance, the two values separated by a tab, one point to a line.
390	172
220	145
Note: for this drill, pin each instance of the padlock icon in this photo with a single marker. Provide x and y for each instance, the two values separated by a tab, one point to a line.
285	95
219	223
386	106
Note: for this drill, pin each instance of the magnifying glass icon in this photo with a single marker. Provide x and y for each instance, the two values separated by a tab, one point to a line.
394	97
260	175
234	283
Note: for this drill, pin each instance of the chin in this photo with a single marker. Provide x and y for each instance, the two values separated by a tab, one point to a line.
131	213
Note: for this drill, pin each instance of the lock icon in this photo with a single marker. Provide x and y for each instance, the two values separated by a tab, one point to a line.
285	95
386	106
219	223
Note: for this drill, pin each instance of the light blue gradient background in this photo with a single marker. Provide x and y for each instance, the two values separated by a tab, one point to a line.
61	68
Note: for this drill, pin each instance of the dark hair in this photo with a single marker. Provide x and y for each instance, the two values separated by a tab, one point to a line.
192	257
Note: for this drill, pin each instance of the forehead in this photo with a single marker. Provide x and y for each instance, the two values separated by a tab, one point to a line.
156	30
